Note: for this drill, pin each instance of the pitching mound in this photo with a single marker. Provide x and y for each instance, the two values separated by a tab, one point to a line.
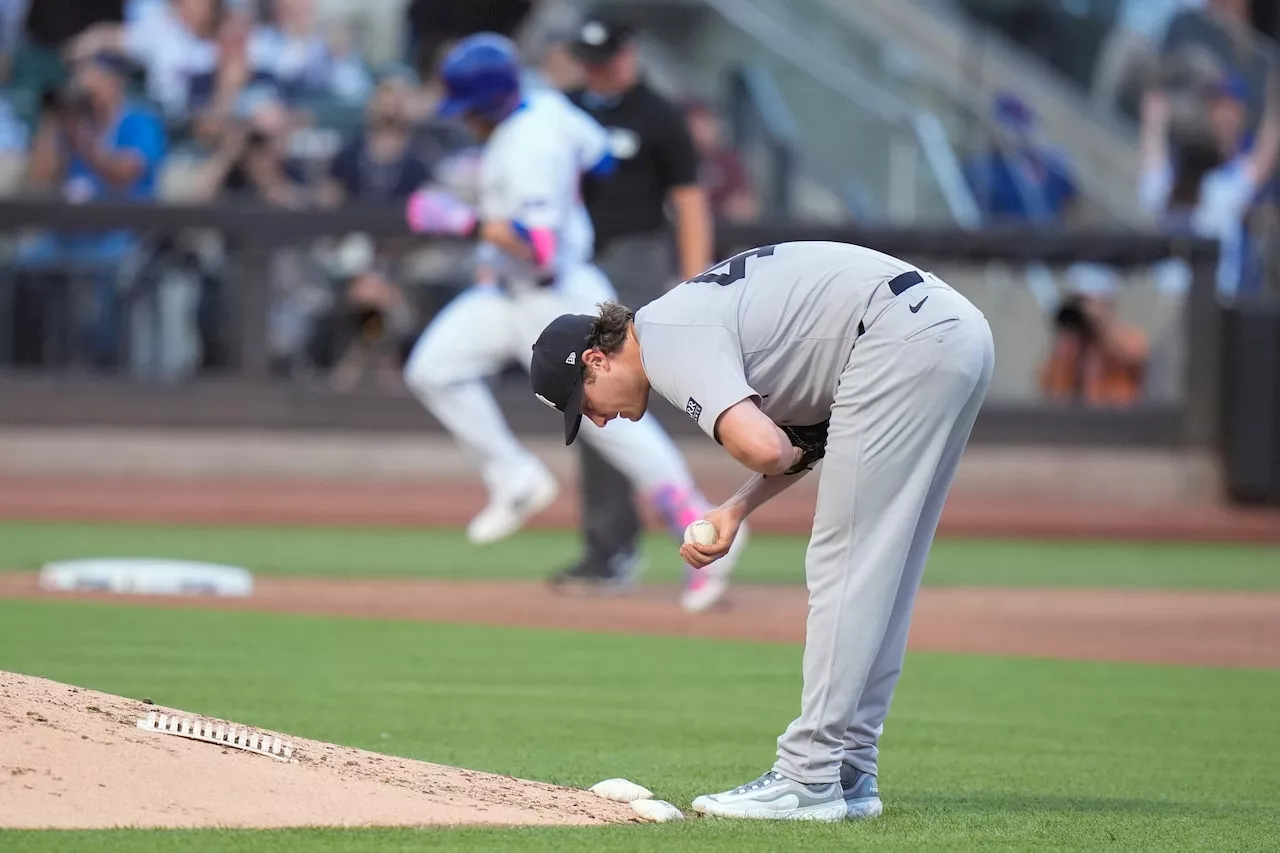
73	758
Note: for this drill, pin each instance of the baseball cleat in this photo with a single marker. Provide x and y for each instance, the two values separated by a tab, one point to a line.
861	793
775	797
600	577
508	510
702	592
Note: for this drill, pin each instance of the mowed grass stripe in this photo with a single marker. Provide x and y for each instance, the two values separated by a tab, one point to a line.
531	555
980	752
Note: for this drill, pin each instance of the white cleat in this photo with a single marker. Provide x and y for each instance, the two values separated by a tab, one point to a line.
775	797
508	510
703	592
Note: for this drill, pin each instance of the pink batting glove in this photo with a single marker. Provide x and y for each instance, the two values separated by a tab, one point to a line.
433	211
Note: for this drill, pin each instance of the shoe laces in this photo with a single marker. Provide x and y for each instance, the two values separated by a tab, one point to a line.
763	781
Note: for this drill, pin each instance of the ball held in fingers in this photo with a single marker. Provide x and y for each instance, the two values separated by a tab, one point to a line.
701	532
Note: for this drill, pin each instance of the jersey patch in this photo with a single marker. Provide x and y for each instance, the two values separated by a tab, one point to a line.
693	409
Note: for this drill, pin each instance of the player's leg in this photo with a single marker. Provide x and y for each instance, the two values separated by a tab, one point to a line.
470	339
859	770
611	528
611	524
908	382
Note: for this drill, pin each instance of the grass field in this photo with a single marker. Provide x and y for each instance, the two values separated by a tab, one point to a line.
981	752
444	553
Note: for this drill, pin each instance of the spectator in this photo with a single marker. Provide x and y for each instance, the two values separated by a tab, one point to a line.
434	24
721	170
291	53
350	81
379	165
1130	53
93	142
191	61
251	160
1020	178
93	145
1096	358
13	15
379	333
1210	188
14	134
1222	32
50	26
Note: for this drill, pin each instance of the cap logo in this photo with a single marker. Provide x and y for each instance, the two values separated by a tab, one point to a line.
545	400
595	33
572	359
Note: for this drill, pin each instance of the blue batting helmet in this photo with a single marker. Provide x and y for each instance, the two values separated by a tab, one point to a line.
481	77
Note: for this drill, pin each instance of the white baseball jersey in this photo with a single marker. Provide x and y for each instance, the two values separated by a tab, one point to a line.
531	174
776	324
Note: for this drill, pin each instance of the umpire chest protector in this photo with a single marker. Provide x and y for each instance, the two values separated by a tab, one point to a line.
649	139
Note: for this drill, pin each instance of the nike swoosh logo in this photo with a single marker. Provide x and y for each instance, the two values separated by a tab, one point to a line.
917	306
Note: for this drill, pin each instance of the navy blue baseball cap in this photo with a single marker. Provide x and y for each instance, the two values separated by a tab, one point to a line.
556	370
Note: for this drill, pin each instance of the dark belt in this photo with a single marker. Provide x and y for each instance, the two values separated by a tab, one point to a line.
902	283
898	285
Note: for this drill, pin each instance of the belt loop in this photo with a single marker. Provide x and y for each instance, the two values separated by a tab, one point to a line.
899	284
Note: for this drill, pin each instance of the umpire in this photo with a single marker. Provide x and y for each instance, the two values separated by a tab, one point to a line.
653	227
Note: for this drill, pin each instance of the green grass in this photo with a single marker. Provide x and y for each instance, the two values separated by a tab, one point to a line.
441	553
997	753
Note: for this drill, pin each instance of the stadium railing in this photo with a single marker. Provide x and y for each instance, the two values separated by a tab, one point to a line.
245	392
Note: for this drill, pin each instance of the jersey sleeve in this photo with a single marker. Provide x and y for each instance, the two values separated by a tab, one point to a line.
591	143
521	190
697	369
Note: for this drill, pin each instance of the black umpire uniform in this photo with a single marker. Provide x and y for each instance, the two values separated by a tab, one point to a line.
650	140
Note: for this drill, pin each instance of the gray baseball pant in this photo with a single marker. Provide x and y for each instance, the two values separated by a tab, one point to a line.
903	411
640	268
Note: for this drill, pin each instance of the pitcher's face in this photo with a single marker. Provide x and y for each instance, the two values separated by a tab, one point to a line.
613	388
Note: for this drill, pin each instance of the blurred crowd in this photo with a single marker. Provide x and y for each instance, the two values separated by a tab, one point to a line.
278	101
1202	83
199	100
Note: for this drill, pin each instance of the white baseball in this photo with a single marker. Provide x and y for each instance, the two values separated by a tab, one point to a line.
701	532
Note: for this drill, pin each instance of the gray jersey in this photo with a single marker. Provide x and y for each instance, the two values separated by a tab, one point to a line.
776	324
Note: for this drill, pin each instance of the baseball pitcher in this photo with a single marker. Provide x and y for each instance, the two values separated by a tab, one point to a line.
787	355
536	242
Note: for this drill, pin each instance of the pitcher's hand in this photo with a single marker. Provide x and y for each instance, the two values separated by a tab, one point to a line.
727	521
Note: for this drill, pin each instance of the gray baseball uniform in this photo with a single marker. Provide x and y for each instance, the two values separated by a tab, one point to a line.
900	363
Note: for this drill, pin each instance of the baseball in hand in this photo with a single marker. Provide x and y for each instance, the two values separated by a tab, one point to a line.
701	532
